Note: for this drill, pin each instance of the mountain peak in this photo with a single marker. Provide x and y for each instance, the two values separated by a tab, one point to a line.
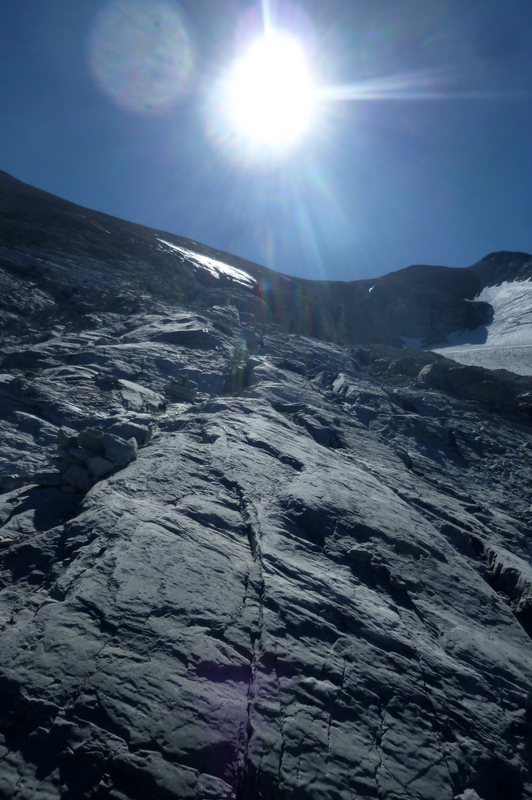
503	266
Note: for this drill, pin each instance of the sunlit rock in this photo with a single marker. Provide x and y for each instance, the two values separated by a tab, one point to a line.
246	550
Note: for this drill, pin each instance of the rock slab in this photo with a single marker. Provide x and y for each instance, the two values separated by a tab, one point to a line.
313	581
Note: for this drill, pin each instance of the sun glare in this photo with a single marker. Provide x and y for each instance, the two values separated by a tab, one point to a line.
271	92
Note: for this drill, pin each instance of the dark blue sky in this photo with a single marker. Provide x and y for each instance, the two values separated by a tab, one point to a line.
375	186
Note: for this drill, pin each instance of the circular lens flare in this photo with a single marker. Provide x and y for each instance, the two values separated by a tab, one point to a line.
270	90
140	54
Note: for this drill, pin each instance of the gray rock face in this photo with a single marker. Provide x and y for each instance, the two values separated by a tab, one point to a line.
313	579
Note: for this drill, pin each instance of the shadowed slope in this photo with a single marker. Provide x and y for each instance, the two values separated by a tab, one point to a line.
419	302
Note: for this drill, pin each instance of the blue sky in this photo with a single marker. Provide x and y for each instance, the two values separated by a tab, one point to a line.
376	185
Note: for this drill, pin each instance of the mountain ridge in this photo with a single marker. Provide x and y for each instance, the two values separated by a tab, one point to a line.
428	301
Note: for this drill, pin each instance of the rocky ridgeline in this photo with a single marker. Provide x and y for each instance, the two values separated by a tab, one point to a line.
82	459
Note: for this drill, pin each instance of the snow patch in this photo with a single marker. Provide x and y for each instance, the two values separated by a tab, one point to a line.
214	267
506	343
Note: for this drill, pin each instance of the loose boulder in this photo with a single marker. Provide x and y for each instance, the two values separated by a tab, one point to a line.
120	451
98	467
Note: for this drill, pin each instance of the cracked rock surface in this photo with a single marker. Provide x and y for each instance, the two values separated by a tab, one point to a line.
314	580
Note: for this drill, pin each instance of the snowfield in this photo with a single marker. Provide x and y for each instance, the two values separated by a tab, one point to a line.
216	268
506	343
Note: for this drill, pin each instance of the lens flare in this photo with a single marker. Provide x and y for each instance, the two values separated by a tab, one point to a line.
141	55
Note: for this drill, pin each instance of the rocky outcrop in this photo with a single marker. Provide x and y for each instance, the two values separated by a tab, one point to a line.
313	581
500	389
84	458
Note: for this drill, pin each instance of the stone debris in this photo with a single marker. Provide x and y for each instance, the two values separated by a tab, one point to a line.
67	437
118	450
129	430
92	440
98	467
84	458
80	455
78	477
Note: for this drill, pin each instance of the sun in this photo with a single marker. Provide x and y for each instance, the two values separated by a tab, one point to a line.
271	91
